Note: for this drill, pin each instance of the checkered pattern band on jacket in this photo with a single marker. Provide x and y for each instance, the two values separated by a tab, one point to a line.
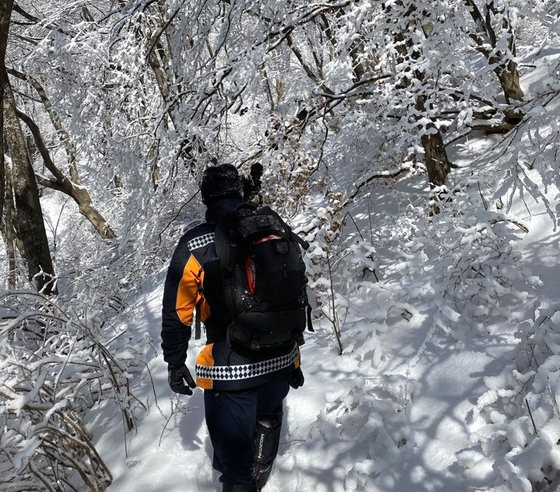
201	241
246	371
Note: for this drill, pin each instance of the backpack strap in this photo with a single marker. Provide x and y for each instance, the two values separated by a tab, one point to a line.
224	249
197	309
302	242
197	327
309	319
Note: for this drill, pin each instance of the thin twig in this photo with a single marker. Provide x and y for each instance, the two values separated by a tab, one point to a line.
177	215
531	415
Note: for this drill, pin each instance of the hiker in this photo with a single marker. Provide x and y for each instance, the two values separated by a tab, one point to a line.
251	357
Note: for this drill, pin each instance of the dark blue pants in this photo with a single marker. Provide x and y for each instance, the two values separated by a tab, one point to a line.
231	418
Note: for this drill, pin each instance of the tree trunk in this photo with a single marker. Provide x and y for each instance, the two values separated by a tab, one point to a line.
357	49
5	210
486	40
435	155
509	80
435	158
2	152
28	216
9	236
5	14
25	217
82	198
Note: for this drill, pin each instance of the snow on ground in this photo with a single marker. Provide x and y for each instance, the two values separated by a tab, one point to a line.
353	426
393	413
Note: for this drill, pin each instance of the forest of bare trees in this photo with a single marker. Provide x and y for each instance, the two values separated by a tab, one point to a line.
112	109
171	84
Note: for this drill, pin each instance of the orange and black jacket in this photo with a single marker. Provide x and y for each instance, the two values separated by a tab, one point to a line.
193	284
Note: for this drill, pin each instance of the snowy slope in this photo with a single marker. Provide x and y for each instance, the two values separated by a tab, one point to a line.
395	411
353	426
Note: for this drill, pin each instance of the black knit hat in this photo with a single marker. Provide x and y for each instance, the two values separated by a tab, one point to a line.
219	182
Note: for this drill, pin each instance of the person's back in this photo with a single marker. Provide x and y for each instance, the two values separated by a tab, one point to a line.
243	391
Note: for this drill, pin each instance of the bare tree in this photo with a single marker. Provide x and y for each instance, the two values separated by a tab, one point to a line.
5	10
71	186
25	218
435	156
486	41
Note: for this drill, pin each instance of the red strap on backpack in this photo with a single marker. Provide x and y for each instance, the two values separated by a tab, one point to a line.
250	271
250	274
271	237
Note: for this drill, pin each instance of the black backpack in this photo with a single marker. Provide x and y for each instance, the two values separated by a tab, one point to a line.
263	280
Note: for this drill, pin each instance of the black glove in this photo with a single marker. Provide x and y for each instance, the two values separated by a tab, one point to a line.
176	376
296	378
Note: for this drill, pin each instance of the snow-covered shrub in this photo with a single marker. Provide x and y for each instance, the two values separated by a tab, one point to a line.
54	366
517	420
460	263
326	280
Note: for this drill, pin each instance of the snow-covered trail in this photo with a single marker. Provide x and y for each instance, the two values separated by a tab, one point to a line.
393	413
353	426
397	425
332	440
400	424
170	449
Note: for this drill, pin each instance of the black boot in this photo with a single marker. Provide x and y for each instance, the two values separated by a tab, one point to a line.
267	438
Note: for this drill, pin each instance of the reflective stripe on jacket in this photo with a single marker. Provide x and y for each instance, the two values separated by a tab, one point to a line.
212	373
